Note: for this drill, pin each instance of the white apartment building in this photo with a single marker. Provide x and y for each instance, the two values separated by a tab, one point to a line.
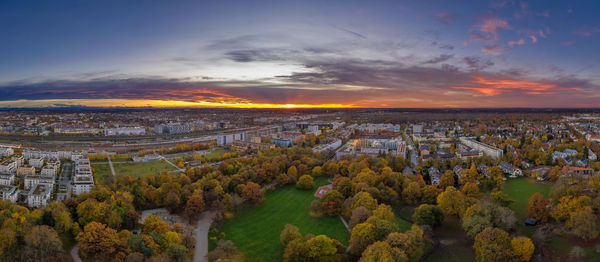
36	162
8	167
39	195
9	193
486	149
32	181
6	151
7	180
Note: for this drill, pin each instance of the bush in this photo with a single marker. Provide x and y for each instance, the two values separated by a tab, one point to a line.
305	182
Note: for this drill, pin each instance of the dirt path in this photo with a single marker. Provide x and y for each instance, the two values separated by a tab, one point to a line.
75	254
201	236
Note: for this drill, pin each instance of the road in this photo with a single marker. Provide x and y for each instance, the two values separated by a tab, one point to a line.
201	236
65	181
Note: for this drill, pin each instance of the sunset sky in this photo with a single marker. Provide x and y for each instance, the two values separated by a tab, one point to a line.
288	54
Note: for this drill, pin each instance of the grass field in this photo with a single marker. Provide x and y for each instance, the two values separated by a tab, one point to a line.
520	190
102	173
255	230
132	169
142	168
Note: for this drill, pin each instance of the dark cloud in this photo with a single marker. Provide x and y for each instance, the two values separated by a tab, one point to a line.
446	18
352	33
447	47
476	63
260	54
439	59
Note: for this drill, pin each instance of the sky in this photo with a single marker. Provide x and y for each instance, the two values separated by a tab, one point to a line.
287	54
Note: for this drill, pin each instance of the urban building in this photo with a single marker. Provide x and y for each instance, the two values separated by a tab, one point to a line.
39	195
486	149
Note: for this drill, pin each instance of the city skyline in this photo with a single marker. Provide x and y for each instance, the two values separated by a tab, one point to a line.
279	54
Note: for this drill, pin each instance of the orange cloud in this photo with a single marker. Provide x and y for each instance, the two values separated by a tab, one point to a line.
513	43
492	87
492	50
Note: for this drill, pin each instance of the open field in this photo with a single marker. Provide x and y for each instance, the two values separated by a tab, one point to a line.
132	169
519	190
102	173
255	230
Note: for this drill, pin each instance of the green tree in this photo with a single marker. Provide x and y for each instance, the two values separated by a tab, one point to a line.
428	215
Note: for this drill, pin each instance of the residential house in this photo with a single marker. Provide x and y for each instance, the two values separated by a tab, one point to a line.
577	171
510	169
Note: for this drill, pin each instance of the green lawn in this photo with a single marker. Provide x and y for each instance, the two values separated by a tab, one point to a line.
255	230
102	173
132	169
520	190
142	168
216	152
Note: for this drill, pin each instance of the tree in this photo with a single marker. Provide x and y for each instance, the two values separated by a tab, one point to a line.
225	251
538	207
492	244
382	227
317	171
382	252
253	193
411	242
99	240
320	248
153	223
501	197
471	189
412	193
430	193
289	234
364	199
194	206
584	223
359	215
362	236
295	251
332	202
428	215
522	248
305	182
447	179
42	244
568	205
487	214
8	242
452	202
315	209
384	212
293	172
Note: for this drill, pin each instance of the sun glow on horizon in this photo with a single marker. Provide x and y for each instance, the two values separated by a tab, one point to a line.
156	103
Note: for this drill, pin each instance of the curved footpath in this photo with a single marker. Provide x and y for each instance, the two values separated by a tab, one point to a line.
75	254
201	236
